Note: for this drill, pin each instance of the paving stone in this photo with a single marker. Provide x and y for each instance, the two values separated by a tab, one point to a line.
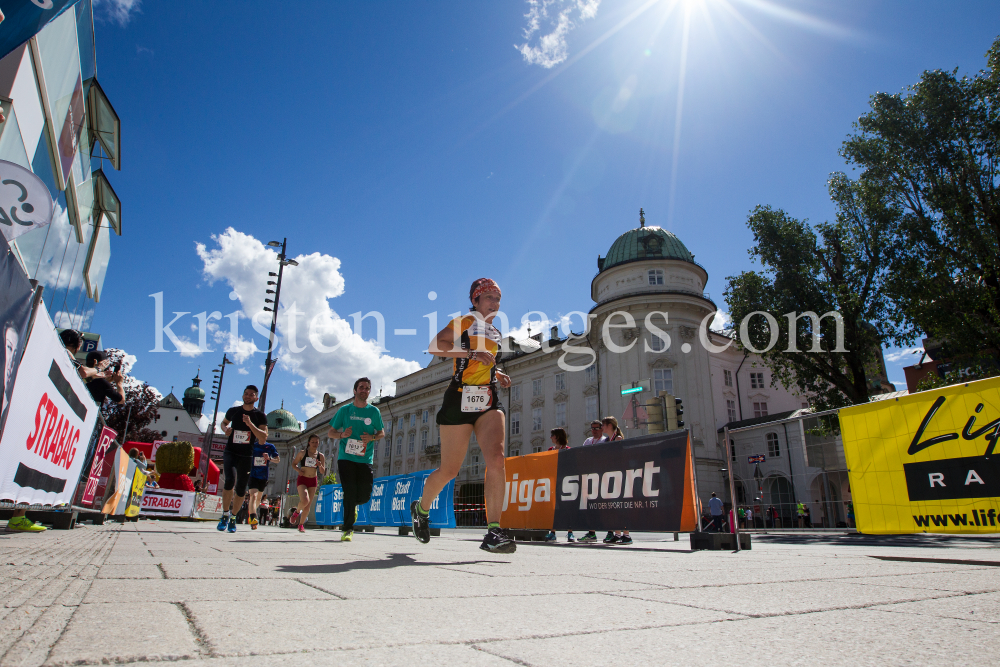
188	590
983	608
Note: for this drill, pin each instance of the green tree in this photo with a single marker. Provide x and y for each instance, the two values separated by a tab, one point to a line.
933	151
836	267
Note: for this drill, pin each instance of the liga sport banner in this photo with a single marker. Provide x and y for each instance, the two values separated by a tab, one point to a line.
50	421
644	483
926	462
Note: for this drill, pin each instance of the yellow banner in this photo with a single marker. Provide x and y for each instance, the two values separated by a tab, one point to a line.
136	493
926	462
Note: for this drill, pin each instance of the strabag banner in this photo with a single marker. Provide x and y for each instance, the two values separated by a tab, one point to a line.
51	418
167	502
642	483
926	462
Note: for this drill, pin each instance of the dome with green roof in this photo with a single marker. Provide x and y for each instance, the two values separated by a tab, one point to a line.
282	420
644	243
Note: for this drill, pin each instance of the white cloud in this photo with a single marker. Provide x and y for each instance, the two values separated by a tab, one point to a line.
908	354
239	348
721	321
558	17
242	371
187	348
119	11
242	262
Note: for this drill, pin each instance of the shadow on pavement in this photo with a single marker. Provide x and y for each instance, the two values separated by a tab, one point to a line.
394	560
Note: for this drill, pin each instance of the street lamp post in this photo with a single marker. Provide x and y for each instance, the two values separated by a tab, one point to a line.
282	263
210	436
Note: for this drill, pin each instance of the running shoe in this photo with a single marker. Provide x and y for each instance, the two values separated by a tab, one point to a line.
347	536
421	523
22	524
570	537
223	522
623	539
253	523
591	536
232	525
302	529
294	518
550	536
610	537
498	541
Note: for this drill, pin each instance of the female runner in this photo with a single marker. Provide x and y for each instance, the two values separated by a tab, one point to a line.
612	433
310	464
471	405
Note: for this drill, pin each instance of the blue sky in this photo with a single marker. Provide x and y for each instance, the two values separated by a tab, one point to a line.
421	148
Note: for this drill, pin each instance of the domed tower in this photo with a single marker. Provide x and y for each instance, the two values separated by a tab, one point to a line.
194	397
649	302
281	425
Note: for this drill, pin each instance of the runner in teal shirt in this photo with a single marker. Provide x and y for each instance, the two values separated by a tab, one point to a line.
356	426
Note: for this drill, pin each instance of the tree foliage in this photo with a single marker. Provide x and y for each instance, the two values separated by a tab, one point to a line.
835	266
933	151
138	410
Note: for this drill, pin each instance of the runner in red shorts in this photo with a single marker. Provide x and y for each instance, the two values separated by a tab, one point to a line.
310	464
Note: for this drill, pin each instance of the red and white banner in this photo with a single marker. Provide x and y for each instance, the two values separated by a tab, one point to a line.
103	442
49	423
167	502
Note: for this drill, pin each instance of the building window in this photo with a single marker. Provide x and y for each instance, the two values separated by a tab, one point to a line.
663	380
401	424
409	448
772	445
756	380
560	414
805	405
475	465
425	416
760	409
657	344
413	420
727	378
399	446
732	448
514	451
515	392
536	387
423	441
560	381
536	449
536	419
731	410
591	406
515	423
591	374
655	276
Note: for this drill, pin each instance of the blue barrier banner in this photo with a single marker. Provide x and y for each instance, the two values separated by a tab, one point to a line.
389	504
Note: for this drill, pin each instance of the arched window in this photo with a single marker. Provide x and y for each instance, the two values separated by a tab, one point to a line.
409	448
773	450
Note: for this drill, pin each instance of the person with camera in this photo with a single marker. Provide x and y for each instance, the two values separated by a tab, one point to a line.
108	382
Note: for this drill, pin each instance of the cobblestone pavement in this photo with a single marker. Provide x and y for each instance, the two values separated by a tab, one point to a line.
172	591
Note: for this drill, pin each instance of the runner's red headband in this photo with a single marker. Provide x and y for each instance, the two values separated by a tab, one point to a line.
483	285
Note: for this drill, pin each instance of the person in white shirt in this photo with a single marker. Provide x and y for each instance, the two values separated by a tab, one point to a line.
596	434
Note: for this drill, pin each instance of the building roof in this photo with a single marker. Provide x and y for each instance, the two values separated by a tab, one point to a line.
644	243
170	401
888	396
754	421
195	391
282	420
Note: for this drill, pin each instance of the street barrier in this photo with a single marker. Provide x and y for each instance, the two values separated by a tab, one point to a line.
389	504
125	487
167	502
926	462
644	483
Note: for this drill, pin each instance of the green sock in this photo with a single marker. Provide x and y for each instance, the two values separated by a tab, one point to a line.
420	508
493	524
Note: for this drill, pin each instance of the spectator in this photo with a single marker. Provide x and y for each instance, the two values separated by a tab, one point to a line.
612	433
715	508
749	515
197	486
596	434
73	341
800	511
106	383
559	440
808	518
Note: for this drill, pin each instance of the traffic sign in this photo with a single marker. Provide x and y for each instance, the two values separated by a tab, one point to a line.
636	387
756	458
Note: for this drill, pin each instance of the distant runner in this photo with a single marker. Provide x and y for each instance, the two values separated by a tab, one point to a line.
311	465
263	454
244	425
355	426
471	404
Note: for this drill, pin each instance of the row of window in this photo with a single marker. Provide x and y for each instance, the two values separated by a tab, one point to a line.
773	448
759	409
756	379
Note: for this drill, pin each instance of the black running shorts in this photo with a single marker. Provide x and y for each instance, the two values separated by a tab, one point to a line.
257	484
236	468
451	413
